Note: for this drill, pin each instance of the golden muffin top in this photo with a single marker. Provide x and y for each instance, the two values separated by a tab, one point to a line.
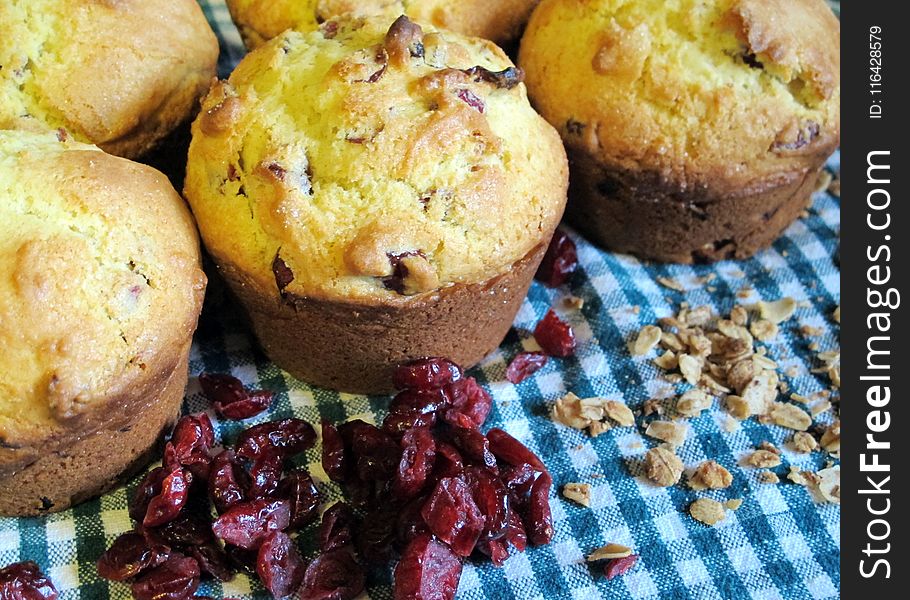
100	283
102	69
497	20
729	91
372	162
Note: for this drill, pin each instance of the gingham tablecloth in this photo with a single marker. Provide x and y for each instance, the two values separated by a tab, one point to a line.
778	545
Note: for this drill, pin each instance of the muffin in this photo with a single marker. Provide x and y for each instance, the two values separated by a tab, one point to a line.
120	74
375	192
497	20
100	289
695	130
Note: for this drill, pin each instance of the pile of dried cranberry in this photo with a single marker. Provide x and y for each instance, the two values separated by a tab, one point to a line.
432	487
426	485
25	581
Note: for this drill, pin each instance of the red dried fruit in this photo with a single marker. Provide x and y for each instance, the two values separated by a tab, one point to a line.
228	481
193	432
495	549
148	488
539	521
492	498
524	365
241	557
520	479
334	461
333	575
420	401
376	533
428	570
471	99
515	532
165	506
279	565
505	79
213	560
336	529
256	402
299	489
474	446
559	261
175	579
409	522
395	424
448	460
282	273
288	436
265	473
452	515
25	581
555	336
426	374
222	389
375	451
509	450
248	523
619	566
128	556
470	400
183	532
416	464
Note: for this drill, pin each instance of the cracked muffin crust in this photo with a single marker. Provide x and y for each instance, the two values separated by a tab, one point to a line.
100	289
498	20
121	74
390	182
695	129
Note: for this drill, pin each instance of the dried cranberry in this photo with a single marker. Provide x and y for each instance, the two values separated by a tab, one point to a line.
539	521
246	524
515	532
255	403
560	260
409	522
419	452
279	565
129	555
193	433
334	461
25	581
175	579
509	450
228	481
452	515
420	401
427	570
524	365
507	78
426	374
289	437
471	99
337	527
166	505
619	566
492	498
183	532
376	533
474	446
470	400
148	488
395	424
332	575
520	479
265	473
241	557
221	388
282	273
555	336
213	560
374	450
298	489
497	550
448	460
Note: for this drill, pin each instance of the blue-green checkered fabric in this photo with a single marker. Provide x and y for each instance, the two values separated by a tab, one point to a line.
778	545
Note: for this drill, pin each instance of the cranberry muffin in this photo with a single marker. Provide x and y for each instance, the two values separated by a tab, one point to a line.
374	192
120	74
497	20
100	289
695	130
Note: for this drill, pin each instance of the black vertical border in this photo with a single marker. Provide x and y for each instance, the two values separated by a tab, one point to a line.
860	136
